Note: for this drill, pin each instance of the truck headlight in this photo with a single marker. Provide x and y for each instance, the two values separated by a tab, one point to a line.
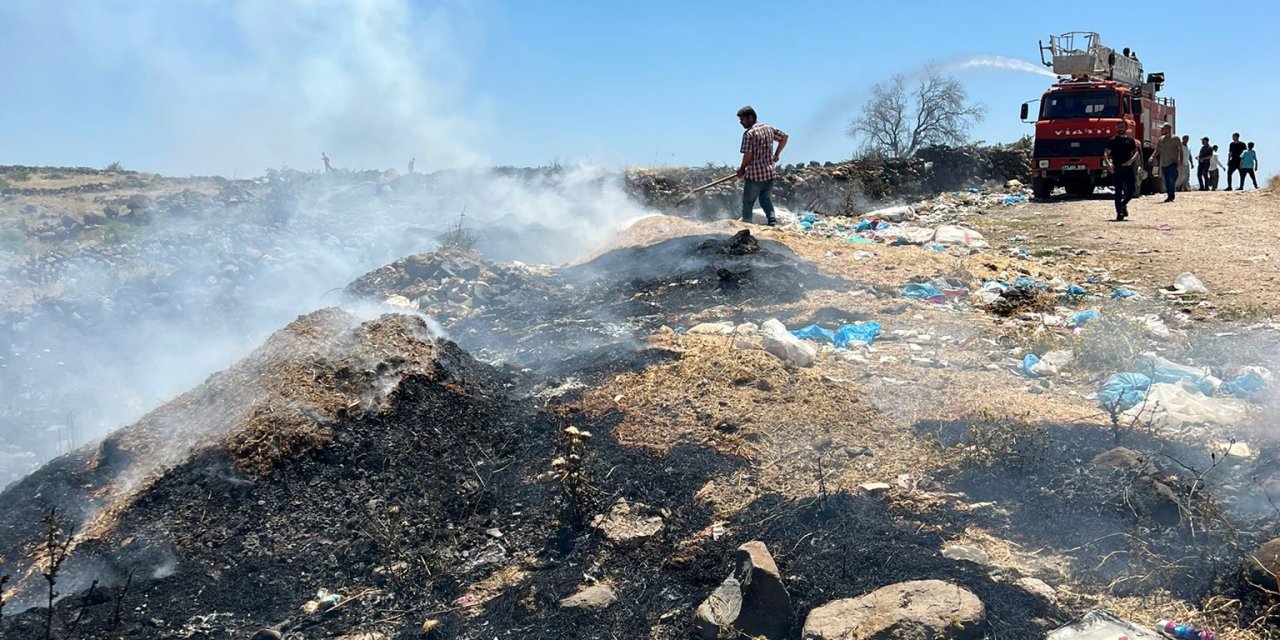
1044	164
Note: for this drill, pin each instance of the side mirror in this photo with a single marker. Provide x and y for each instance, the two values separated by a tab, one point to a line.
1111	59
1025	109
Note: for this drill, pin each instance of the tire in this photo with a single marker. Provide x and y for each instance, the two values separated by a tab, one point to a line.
1041	188
1079	189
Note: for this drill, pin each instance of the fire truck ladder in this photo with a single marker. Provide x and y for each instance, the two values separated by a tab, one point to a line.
1080	55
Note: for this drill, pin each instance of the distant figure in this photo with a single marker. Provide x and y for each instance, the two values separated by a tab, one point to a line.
1184	167
759	163
1168	157
1121	154
324	156
1214	165
1234	151
411	161
1248	166
1202	163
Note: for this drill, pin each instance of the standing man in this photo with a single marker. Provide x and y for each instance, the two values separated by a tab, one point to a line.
325	157
759	162
1122	156
1248	166
1203	163
1234	151
1168	156
1185	167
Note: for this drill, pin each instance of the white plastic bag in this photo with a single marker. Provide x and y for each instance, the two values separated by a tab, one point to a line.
1187	282
1172	406
780	342
951	234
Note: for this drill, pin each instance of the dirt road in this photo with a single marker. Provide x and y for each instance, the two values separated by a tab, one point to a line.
1228	239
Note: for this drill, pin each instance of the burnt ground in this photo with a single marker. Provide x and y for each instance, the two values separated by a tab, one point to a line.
417	483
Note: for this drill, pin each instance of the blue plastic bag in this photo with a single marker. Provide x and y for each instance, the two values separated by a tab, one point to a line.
1121	293
1013	198
814	332
1122	391
1081	318
1076	290
1024	281
1028	361
864	225
860	332
1245	385
921	291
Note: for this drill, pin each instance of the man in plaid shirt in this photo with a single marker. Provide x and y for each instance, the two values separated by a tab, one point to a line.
759	161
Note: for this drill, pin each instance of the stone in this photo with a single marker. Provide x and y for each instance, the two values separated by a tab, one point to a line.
95	219
594	598
1123	459
966	553
874	487
753	602
138	202
913	610
628	523
1263	566
1038	588
267	634
1145	493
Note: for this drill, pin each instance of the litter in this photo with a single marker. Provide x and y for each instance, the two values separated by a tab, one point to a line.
1101	625
893	214
1076	290
1169	372
1029	362
1184	631
785	346
814	332
950	234
1013	198
1050	365
922	291
864	332
1173	406
1247	382
712	328
1081	318
1122	391
1121	293
1188	283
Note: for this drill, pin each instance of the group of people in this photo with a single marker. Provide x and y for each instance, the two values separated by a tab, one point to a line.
1172	157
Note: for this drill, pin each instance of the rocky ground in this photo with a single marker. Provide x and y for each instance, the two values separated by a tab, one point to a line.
633	443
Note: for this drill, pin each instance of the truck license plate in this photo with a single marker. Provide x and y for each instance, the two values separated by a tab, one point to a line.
1073	167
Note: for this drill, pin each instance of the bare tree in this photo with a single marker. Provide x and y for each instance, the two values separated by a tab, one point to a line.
899	118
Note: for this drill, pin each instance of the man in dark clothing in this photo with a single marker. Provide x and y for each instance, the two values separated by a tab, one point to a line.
1234	151
1122	156
1202	166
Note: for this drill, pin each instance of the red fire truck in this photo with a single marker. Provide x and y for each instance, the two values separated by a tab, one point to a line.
1097	88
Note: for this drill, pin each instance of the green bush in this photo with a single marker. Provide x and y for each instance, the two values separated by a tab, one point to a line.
114	167
1109	343
117	233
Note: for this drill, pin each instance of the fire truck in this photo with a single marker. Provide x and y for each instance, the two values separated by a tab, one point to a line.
1097	87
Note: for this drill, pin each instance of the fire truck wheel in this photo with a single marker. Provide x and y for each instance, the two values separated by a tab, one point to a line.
1041	188
1079	189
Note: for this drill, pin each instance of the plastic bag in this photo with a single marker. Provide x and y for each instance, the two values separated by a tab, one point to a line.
785	346
864	332
814	332
1122	391
1173	406
893	214
951	234
922	291
1169	372
1187	282
1081	318
1101	625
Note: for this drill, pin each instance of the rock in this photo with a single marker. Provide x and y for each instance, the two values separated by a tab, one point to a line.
719	610
766	606
628	523
595	598
267	634
914	610
1013	185
138	202
1038	588
1263	566
874	487
1144	492
713	328
752	602
69	221
95	219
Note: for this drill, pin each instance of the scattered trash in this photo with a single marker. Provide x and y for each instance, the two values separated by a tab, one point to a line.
1188	283
1101	625
1168	372
1164	228
950	234
1173	406
324	601
965	552
1050	365
1248	381
1184	631
1122	391
1081	318
899	213
1029	362
785	346
1076	290
1121	293
814	332
1013	198
844	337
922	291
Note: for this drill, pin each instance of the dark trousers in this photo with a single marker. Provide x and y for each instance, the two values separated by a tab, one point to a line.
753	189
1202	175
1213	179
1125	184
1243	173
1232	167
1170	173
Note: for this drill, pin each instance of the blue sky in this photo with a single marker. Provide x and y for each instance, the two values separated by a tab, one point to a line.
235	86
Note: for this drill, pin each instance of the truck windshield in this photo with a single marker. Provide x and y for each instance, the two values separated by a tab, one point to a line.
1072	104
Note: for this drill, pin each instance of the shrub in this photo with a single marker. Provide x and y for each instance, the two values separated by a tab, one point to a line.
1109	343
114	167
117	233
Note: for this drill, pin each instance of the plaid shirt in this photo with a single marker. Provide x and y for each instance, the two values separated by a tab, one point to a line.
758	141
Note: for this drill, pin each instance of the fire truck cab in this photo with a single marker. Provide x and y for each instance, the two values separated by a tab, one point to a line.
1098	87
